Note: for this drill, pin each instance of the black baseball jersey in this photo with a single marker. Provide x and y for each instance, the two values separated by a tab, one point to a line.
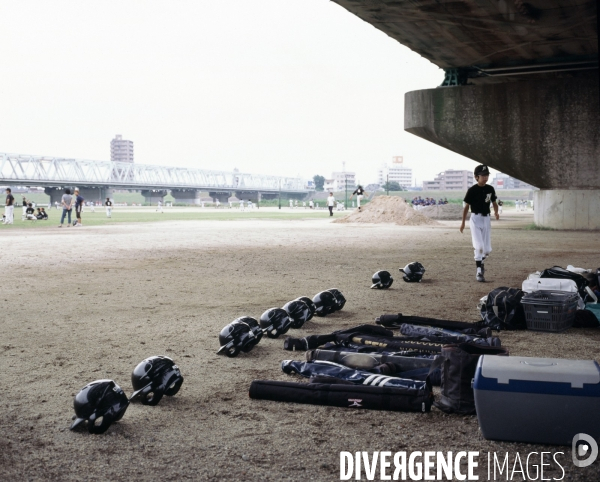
360	191
10	200
108	203
479	198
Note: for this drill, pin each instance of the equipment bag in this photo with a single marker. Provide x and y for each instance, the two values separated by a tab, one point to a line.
503	310
315	341
395	321
458	363
435	333
560	273
335	394
335	370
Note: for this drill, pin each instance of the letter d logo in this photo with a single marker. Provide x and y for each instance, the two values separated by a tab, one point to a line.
587	446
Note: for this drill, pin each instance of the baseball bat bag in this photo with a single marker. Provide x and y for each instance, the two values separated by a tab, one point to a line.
335	393
354	348
395	321
385	376
502	309
315	341
447	336
404	367
458	363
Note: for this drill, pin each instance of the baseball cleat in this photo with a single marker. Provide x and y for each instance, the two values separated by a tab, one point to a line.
480	277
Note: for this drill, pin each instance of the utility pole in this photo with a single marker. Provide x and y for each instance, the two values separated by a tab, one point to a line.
387	184
346	196
279	193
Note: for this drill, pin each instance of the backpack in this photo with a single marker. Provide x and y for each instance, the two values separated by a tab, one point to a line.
503	310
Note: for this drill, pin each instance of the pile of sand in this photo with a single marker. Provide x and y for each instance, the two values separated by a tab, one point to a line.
446	212
387	209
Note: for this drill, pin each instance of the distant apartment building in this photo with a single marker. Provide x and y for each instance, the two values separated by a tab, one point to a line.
121	150
395	171
504	181
450	180
337	181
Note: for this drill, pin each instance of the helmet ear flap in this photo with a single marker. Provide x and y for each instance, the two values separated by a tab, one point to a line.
98	425
150	396
174	385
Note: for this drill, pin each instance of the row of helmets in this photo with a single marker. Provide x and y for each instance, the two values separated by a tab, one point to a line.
411	273
243	333
102	402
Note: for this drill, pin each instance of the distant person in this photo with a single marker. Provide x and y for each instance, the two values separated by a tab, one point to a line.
304	204
44	214
311	204
78	207
500	204
67	205
330	203
92	207
291	203
108	203
296	203
9	207
30	213
159	207
241	204
217	204
39	216
359	192
56	205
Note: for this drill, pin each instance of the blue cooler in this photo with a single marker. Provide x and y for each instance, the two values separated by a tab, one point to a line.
537	400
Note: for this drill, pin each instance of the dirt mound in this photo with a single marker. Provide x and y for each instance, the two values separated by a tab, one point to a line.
387	209
446	212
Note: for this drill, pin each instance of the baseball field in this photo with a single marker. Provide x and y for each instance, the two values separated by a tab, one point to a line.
80	304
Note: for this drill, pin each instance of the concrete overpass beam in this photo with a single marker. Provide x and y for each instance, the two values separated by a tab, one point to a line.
187	196
153	195
55	194
544	132
253	196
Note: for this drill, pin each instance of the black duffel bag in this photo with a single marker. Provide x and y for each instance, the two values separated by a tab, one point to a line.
503	310
458	364
337	393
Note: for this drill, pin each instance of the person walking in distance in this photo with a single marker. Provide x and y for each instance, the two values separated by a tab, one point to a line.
108	203
360	192
330	203
478	198
67	204
78	207
9	207
159	207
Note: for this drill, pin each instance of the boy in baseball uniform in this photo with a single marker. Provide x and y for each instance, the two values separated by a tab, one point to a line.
478	199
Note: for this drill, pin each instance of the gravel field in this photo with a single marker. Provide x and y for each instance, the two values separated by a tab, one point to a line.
91	303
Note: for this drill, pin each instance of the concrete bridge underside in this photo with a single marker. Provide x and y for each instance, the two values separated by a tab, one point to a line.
521	91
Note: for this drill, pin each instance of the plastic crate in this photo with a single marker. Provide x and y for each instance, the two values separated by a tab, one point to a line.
552	311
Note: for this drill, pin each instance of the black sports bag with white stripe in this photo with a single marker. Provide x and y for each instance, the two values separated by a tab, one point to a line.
338	393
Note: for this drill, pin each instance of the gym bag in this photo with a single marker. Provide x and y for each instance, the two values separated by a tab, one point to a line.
503	310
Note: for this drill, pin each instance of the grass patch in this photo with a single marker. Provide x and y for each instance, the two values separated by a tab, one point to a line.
145	215
536	227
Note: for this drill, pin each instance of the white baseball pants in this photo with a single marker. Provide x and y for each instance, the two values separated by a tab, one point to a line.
9	213
480	234
358	200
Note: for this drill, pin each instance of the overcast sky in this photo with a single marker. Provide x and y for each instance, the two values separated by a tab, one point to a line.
281	87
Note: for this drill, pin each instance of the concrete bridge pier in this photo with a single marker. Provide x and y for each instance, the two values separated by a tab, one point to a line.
222	196
55	194
94	194
544	132
153	195
187	196
253	196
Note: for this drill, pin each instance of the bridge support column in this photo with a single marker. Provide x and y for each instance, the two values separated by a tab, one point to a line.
253	196
93	194
223	197
187	196
153	195
544	132
55	194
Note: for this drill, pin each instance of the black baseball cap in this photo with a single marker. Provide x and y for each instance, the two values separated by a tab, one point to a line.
482	170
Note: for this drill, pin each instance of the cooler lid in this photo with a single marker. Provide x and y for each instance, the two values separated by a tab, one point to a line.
554	370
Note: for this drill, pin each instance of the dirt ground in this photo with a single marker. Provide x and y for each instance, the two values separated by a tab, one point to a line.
80	305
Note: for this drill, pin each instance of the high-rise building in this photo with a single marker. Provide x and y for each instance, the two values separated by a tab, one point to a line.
450	180
121	150
395	171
